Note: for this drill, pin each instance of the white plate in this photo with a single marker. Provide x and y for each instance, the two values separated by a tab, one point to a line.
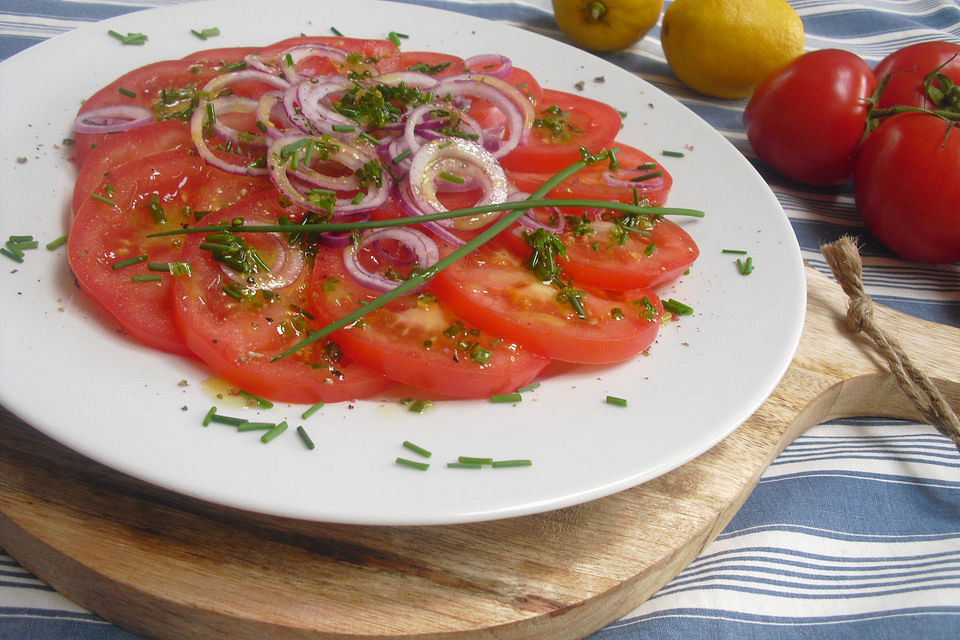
65	370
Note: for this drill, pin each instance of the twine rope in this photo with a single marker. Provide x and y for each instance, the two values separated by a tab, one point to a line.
844	260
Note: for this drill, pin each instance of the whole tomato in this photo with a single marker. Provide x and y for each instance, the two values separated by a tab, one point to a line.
807	118
907	187
907	68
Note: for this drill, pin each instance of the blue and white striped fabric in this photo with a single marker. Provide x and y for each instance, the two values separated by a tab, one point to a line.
854	531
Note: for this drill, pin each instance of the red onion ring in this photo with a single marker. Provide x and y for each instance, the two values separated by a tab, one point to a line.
227	104
285	270
517	109
414	119
492	64
112	118
304	51
423	247
312	97
222	82
436	156
411	210
530	220
409	78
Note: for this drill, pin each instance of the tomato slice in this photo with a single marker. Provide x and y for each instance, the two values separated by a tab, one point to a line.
104	234
438	65
616	253
383	53
126	146
417	340
239	338
488	115
567	122
590	182
496	291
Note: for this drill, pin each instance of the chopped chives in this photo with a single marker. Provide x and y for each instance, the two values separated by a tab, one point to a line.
129	261
511	463
741	251
146	278
449	177
417	448
647	166
394	38
529	387
369	138
357	199
647	176
470	460
97	196
203	34
505	397
422	466
419	406
649	249
207	418
130	38
261	126
23	245
672	154
620	402
305	438
343	127
312	410
59	242
623	114
745	267
10	254
18	239
677	308
127	92
397	159
230	420
274	432
336	31
463	465
263	403
255	426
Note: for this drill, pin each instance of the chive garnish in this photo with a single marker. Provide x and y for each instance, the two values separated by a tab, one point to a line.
304	438
472	460
22	245
130	38
672	154
417	449
623	114
647	176
229	420
59	242
745	267
614	400
677	308
419	406
97	196
529	387
394	37
463	465
146	278
336	31
357	199
274	432
10	254
647	166
449	177
505	397
18	239
511	463
263	403
343	127
203	34
129	261
740	251
422	466
127	92
312	410
209	417
397	159
255	426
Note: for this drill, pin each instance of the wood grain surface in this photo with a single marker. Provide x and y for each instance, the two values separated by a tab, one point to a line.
166	566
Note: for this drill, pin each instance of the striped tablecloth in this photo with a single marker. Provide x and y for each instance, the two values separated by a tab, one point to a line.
854	531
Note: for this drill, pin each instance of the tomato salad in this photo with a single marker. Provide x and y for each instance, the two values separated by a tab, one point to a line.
322	218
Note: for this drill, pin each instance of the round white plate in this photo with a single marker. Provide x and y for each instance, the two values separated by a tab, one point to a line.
66	370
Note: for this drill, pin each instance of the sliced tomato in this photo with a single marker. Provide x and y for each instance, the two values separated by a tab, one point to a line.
382	53
124	147
438	65
496	291
565	122
417	340
490	116
106	233
219	57
591	183
611	252
238	339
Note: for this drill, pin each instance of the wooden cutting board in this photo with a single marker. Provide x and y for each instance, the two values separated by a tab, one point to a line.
167	566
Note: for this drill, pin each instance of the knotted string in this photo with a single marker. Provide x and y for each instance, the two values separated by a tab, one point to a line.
844	260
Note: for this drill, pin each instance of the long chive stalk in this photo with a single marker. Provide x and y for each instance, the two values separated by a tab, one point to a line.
416	280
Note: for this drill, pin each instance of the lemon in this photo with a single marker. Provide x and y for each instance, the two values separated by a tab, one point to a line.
724	48
606	25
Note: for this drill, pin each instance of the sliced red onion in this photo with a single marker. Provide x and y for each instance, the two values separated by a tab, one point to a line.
517	109
236	104
286	268
304	51
347	155
291	109
423	247
463	156
227	104
492	64
409	78
112	118
530	219
410	209
266	108
312	98
641	185
415	120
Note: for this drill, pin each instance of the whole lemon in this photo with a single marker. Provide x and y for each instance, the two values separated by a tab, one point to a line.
724	48
606	25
